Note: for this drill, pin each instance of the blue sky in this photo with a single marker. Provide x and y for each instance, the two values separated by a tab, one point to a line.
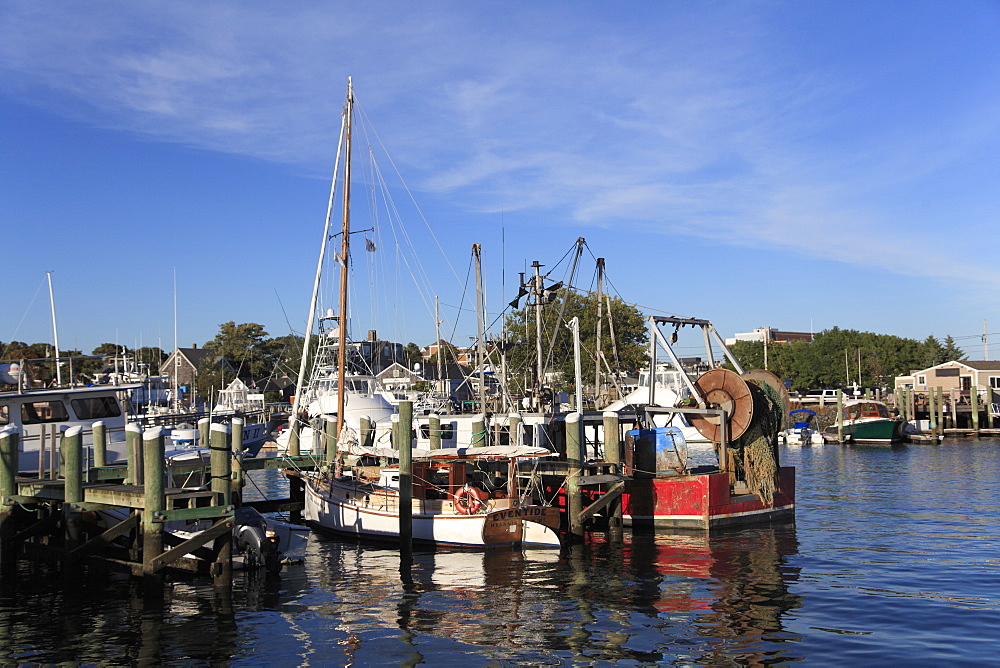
800	165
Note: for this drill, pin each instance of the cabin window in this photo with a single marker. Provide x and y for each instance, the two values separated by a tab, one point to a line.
995	382
946	373
36	412
921	380
4	415
96	408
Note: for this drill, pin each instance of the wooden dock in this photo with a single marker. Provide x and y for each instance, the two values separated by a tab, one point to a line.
122	516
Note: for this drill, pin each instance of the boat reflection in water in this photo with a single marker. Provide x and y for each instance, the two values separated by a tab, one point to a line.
653	599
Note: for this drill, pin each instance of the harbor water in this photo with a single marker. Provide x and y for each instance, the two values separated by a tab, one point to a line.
893	559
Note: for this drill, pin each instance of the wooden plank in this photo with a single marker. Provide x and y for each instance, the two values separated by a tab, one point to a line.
197	513
613	493
110	534
190	545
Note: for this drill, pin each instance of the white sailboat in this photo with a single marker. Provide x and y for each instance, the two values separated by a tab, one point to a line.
456	499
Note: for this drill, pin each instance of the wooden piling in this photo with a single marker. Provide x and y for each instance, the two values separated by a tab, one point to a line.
514	431
612	454
100	436
941	411
434	431
478	431
221	462
366	435
204	432
133	453
154	501
931	412
574	462
404	430
294	436
329	443
9	442
974	405
236	425
840	416
71	447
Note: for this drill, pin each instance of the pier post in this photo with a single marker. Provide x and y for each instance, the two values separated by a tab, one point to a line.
404	428
514	429
9	439
204	432
330	443
612	454
154	501
237	441
294	436
220	440
434	431
941	412
365	428
974	406
71	446
42	444
478	439
840	416
221	461
574	462
931	412
133	453
100	432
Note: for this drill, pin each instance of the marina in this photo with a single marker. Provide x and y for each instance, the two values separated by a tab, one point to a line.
853	578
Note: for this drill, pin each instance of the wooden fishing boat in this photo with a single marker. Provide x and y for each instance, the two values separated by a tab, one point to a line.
461	497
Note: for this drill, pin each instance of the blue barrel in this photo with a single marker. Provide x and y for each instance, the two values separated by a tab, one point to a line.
658	451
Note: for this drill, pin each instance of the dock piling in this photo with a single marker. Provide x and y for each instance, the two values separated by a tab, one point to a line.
574	462
9	442
154	501
612	454
404	429
100	435
71	448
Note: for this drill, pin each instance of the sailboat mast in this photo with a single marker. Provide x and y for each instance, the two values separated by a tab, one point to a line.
345	239
55	330
476	248
300	383
600	317
437	333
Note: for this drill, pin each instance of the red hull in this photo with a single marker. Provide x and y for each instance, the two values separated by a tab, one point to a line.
702	501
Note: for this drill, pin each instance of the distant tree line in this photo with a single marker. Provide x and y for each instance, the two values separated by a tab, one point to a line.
840	357
834	358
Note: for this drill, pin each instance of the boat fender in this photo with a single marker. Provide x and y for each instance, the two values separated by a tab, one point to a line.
470	500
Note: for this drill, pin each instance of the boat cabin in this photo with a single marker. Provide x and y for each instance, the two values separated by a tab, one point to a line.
858	410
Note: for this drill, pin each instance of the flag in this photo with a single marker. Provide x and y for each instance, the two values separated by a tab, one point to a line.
369	245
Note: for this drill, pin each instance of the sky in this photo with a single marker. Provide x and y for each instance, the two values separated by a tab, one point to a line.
797	165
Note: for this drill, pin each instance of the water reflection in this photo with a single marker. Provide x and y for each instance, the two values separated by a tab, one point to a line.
668	598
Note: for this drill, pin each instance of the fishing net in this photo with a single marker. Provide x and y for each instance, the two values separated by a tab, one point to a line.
755	452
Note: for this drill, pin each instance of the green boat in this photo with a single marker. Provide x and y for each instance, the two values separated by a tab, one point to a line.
867	421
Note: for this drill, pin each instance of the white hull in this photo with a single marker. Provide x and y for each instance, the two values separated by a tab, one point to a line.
373	512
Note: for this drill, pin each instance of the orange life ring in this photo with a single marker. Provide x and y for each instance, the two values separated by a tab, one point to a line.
470	500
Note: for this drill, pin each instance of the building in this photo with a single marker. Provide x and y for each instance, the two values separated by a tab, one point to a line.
463	356
956	377
182	364
771	335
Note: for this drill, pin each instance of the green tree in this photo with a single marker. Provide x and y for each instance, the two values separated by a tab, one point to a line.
951	350
630	339
411	353
933	353
247	348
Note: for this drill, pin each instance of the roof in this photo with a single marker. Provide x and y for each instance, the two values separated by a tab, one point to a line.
196	356
984	365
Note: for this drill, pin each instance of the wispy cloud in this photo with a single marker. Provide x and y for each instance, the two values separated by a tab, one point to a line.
694	122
